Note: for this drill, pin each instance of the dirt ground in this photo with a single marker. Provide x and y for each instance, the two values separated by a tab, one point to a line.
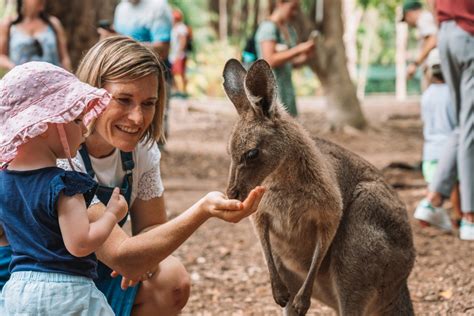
229	275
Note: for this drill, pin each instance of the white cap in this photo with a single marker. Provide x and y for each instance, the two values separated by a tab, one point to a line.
433	58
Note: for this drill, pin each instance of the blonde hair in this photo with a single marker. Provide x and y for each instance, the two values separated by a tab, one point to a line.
121	58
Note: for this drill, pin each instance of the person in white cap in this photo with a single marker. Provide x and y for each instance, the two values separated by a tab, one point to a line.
439	123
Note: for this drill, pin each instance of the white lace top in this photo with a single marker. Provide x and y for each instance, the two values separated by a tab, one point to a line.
147	183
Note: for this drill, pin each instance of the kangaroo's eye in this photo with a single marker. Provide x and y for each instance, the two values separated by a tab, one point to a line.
251	154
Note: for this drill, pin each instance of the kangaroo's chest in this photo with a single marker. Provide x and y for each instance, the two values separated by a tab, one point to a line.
292	233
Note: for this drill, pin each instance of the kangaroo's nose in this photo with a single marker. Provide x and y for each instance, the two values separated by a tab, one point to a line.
233	193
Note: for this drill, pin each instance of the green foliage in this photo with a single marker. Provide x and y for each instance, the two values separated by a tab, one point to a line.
205	70
381	79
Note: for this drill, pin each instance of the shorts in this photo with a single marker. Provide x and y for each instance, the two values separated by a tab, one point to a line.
179	66
428	169
45	293
120	300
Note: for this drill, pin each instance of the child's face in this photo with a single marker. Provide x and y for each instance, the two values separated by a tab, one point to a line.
75	132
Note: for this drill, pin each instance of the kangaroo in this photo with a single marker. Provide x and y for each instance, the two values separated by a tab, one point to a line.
329	226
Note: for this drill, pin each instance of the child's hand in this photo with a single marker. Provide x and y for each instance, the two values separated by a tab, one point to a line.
126	283
217	205
117	205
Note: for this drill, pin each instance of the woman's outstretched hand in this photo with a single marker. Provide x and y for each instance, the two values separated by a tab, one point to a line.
217	205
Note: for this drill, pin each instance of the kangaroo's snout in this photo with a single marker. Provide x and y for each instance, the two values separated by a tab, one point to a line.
232	193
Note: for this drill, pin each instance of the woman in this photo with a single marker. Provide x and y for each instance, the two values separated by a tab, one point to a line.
121	151
33	36
275	42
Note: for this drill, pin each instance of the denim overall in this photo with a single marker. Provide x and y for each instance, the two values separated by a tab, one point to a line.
120	300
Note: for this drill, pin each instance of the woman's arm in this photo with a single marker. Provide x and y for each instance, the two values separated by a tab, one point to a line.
134	256
62	43
147	214
5	61
276	59
81	237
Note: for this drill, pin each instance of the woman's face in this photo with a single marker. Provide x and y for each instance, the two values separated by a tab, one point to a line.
130	112
289	9
33	5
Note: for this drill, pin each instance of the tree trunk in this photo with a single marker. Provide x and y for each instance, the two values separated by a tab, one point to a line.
330	64
244	19
401	58
223	18
371	17
352	16
233	19
79	18
214	8
256	10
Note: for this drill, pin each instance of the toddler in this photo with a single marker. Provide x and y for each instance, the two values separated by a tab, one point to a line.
43	209
439	121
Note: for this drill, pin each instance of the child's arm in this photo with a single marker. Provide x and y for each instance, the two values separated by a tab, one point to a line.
82	238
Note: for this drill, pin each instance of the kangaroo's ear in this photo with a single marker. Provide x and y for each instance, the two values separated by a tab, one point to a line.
234	76
260	86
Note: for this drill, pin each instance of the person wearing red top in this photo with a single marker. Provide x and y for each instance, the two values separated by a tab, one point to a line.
459	11
456	47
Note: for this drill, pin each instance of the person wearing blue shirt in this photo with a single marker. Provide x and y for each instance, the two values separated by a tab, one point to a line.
149	22
146	21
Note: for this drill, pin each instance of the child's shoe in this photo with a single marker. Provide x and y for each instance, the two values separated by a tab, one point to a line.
436	216
466	230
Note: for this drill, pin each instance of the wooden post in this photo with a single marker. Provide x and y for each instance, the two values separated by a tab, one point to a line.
223	20
372	21
352	16
400	56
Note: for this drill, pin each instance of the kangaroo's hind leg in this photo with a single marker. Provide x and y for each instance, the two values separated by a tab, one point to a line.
375	252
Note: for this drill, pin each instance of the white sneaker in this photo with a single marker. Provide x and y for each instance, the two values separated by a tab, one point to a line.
466	230
436	216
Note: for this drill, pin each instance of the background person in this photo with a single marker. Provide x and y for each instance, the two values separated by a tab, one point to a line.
456	47
417	17
33	36
439	123
178	53
276	42
456	44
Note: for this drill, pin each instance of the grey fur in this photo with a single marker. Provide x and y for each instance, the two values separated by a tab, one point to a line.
329	225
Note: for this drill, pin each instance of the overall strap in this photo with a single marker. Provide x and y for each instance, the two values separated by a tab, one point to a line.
127	161
87	160
127	165
103	193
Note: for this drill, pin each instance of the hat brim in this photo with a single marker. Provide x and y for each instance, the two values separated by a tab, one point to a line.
34	120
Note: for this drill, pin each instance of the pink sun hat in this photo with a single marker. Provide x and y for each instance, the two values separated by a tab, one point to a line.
37	93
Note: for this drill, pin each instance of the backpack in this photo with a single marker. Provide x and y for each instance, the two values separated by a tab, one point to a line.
249	53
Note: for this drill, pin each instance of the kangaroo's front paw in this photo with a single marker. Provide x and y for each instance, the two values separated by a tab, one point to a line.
280	294
301	304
